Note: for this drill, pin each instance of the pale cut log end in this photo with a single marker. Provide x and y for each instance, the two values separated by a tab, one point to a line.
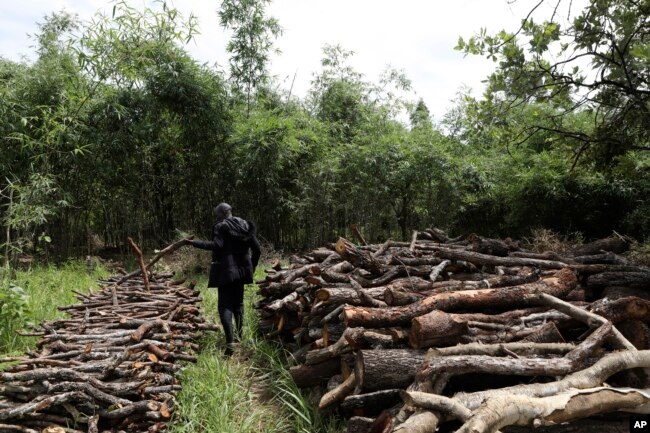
566	278
435	328
340	246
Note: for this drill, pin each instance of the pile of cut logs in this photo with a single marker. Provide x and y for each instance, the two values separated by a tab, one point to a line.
111	365
471	333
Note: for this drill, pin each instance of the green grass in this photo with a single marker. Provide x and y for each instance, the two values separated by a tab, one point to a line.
250	392
46	288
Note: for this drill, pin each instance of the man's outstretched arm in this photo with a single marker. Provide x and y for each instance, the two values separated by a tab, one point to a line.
215	244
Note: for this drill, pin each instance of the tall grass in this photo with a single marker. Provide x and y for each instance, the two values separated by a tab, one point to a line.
46	287
250	392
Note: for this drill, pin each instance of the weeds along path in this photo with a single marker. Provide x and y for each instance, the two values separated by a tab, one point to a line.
112	365
251	391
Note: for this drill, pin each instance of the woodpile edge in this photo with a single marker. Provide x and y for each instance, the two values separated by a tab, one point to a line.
468	334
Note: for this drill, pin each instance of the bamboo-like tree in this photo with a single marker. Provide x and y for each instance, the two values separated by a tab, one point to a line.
251	43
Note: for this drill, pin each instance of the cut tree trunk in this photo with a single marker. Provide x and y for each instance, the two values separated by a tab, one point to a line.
591	425
310	375
629	308
614	244
485	259
520	410
377	338
637	333
359	424
349	252
348	295
502	349
338	393
373	403
422	421
387	369
438	403
590	377
637	280
494	247
436	328
547	333
563	282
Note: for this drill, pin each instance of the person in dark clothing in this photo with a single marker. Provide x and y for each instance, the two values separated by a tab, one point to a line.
235	254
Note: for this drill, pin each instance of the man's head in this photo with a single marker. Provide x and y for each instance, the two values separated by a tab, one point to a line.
223	211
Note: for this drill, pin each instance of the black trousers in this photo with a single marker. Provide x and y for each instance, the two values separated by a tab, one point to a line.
231	305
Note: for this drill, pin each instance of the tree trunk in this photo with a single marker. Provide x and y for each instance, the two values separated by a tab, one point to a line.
637	280
614	244
629	308
637	333
590	377
420	422
337	295
338	393
358	424
547	333
563	282
386	369
384	338
349	252
503	349
494	247
310	375
485	259
373	403
503	411
590	425
436	328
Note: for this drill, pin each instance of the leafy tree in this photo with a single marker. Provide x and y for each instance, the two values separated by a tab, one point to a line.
156	105
40	139
596	63
420	117
119	85
251	43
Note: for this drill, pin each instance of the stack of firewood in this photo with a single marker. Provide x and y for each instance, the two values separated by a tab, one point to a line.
471	332
110	366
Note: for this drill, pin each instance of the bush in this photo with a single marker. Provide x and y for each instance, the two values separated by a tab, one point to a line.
13	309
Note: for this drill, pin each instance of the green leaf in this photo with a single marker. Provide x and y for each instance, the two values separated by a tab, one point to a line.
460	45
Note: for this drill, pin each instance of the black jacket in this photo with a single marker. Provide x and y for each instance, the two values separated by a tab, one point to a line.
235	252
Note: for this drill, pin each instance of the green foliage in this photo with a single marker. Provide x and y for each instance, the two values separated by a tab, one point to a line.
252	39
28	207
33	296
120	48
592	66
217	396
120	85
13	308
301	411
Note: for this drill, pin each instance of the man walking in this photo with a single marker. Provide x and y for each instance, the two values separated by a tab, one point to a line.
235	254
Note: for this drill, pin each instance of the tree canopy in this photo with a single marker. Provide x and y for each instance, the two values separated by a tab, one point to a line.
115	130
